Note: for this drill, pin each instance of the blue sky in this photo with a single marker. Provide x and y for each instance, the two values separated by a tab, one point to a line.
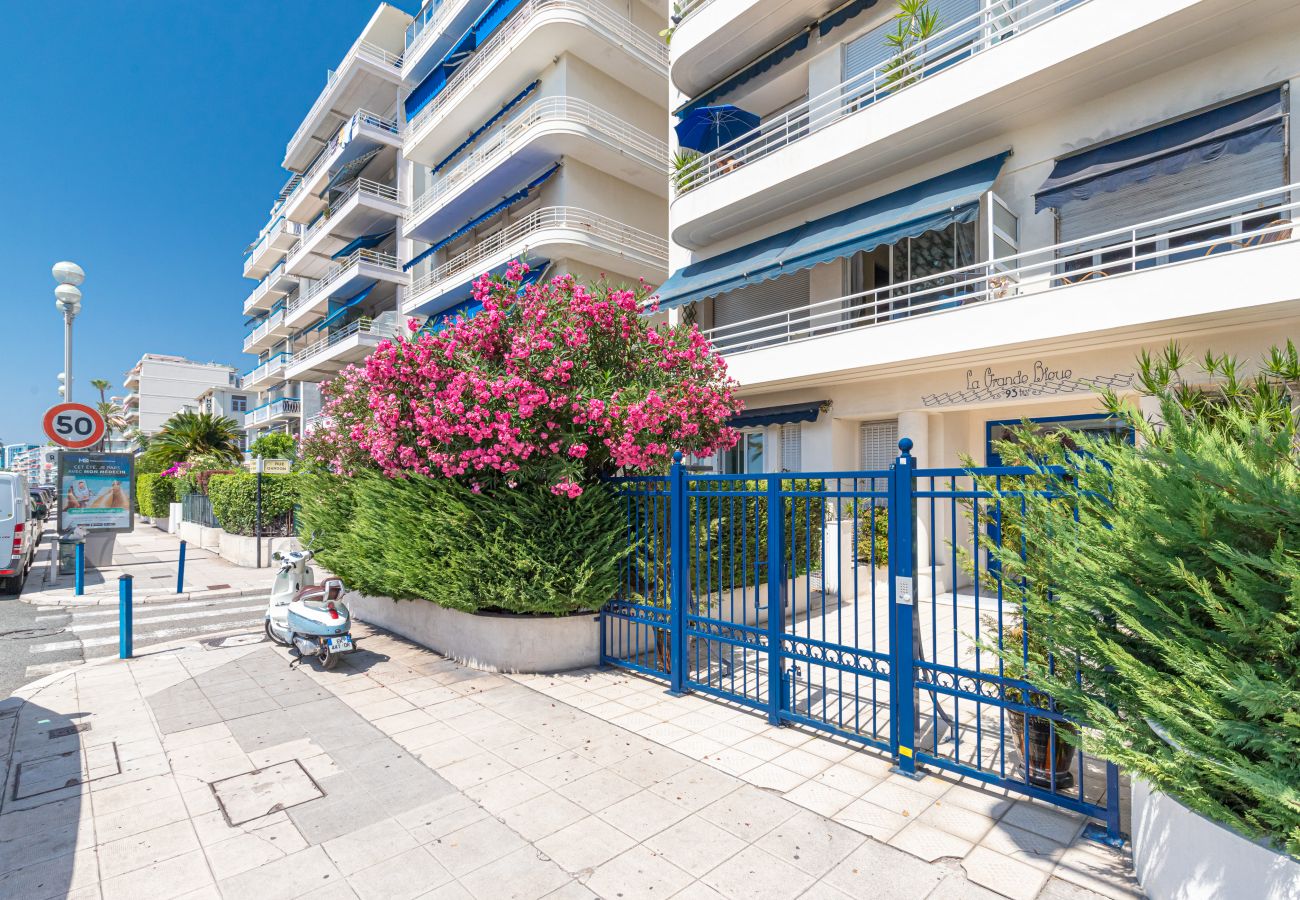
143	140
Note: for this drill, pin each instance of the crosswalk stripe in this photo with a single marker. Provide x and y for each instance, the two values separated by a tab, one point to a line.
141	637
105	612
174	617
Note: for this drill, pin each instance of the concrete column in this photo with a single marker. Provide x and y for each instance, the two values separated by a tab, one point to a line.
915	424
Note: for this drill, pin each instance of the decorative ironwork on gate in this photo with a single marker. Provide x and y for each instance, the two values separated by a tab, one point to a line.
864	604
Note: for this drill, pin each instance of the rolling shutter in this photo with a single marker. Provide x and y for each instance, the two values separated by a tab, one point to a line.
772	296
791	448
877	445
872	49
1203	184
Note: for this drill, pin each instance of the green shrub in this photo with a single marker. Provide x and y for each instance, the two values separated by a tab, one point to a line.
154	495
1169	573
234	501
521	550
873	525
274	445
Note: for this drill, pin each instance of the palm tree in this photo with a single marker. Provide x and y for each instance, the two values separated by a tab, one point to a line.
114	417
188	434
102	385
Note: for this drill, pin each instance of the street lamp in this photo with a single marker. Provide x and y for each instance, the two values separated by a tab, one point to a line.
67	299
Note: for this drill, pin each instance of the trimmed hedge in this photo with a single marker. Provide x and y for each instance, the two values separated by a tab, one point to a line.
521	550
234	501
154	495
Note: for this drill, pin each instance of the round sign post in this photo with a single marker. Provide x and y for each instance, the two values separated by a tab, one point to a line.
74	426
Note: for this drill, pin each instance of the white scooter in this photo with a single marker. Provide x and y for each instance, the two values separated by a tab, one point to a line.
310	618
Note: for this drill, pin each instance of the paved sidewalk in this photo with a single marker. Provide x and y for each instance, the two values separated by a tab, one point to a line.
210	770
151	557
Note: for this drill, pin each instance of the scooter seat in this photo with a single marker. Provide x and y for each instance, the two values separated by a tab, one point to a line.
327	590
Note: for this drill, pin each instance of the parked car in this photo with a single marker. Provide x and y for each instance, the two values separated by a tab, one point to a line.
18	531
40	511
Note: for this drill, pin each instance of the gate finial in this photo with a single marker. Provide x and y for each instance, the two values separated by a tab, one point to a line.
905	445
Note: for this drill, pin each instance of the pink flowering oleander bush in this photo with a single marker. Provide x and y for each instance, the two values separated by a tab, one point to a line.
556	383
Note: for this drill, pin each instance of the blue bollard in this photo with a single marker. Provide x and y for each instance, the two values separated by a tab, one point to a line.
180	571
80	570
124	623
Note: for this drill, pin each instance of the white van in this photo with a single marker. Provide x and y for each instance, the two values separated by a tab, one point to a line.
18	532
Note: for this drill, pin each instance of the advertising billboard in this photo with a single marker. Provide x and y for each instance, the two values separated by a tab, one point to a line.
95	491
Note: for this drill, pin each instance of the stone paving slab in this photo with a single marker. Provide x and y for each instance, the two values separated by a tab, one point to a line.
434	780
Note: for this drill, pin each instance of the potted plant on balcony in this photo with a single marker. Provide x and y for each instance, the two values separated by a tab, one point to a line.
915	22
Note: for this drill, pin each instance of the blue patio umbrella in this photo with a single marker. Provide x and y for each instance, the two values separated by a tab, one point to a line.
709	127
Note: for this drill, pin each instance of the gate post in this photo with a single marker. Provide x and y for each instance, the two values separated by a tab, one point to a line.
679	560
902	564
775	598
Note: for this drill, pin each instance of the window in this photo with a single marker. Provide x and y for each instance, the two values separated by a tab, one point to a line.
877	445
1095	425
923	259
791	448
238	404
746	457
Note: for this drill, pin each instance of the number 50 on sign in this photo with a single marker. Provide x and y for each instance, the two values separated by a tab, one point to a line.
73	425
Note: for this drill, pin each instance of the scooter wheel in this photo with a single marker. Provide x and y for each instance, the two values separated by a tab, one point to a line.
327	659
275	638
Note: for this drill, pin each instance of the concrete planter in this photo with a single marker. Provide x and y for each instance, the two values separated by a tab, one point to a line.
241	549
1181	855
174	518
490	641
200	536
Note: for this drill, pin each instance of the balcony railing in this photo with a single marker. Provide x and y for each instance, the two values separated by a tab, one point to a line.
279	224
370	257
322	161
268	369
991	26
499	145
1233	226
272	322
687	8
614	23
426	24
361	186
362	50
273	409
606	230
264	285
363	325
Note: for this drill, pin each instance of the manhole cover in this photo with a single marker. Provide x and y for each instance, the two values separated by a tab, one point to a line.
61	770
250	796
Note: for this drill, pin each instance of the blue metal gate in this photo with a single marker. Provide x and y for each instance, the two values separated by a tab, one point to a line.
859	603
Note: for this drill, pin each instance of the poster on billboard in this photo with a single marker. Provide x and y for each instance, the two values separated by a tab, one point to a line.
95	491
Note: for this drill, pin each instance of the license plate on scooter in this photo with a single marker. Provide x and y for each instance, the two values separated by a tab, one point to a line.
340	644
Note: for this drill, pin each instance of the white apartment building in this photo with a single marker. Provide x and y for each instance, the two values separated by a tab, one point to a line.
443	146
161	385
228	401
980	229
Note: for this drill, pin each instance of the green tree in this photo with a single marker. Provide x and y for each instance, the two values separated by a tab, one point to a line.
915	22
275	445
189	434
1168	572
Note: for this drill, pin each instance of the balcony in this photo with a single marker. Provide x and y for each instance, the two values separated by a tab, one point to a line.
365	207
435	30
270	247
345	278
363	133
274	285
266	334
1011	63
712	40
132	400
273	411
529	41
548	233
539	134
1199	269
350	344
266	373
368	78
132	379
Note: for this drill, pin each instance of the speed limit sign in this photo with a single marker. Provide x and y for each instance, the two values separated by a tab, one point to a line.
73	425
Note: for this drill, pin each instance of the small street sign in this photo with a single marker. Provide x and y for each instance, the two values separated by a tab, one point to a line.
73	426
270	466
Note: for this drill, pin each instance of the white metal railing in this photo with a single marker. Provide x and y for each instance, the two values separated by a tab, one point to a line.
361	186
1232	226
1000	21
501	143
271	367
360	50
516	236
360	117
603	18
264	286
363	325
272	322
284	225
685	9
426	25
370	257
316	421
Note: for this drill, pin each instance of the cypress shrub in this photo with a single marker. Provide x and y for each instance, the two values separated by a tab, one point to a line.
234	501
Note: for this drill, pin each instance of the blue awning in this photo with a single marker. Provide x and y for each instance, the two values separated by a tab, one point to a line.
365	242
348	170
471	307
505	203
474	37
753	70
837	18
477	132
926	206
343	307
779	415
1234	128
